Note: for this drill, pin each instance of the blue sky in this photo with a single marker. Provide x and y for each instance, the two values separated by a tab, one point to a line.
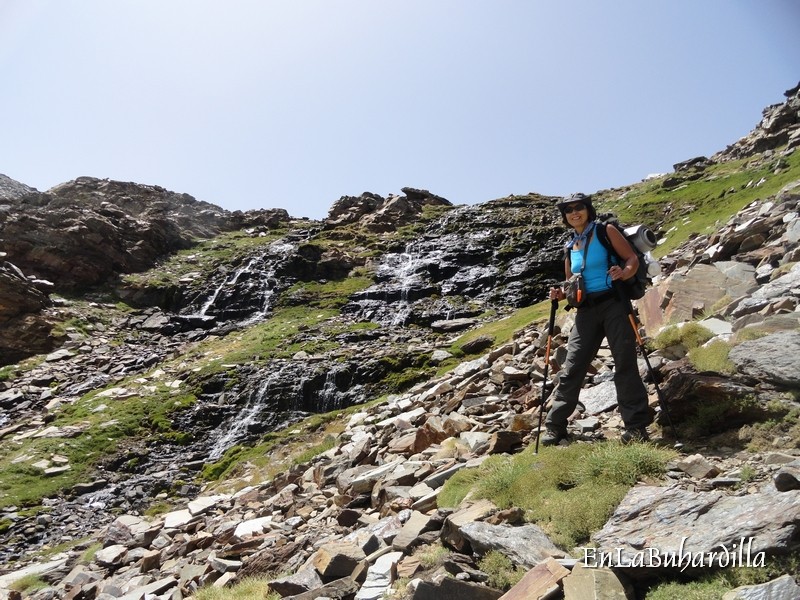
264	103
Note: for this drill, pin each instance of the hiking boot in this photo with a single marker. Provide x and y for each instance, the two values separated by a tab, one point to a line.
635	434
552	437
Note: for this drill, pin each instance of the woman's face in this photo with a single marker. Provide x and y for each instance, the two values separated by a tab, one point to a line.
576	214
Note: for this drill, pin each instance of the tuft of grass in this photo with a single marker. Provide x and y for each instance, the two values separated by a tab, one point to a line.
747	334
569	492
715	584
724	414
28	584
713	357
689	335
248	588
431	556
613	462
784	423
502	573
693	590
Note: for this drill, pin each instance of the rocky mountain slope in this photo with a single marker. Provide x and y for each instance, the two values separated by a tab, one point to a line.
165	359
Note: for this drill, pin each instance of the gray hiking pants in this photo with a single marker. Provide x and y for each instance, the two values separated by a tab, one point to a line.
595	320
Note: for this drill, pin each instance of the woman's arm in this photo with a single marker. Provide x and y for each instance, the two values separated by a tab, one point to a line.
624	250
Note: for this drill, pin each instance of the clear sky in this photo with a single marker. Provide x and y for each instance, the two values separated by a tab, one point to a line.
293	103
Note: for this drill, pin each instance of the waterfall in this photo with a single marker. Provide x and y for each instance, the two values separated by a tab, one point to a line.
228	435
280	251
227	282
329	397
403	267
245	296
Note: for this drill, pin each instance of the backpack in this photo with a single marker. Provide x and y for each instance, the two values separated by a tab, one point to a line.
642	240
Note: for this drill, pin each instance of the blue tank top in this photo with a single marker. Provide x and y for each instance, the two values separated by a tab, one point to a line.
595	274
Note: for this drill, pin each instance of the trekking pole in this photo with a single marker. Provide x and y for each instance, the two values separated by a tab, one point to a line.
550	325
643	351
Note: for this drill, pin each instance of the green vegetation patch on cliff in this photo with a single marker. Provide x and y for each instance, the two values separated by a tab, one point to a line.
698	206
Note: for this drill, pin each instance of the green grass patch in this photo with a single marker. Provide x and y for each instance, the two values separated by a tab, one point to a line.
431	556
747	334
569	492
7	372
73	323
715	584
723	414
325	295
263	341
28	584
247	589
502	573
292	443
699	206
783	423
502	330
712	589
713	357
689	335
306	456
91	430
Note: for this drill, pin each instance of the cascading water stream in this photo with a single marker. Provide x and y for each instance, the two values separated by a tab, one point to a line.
249	289
238	424
404	268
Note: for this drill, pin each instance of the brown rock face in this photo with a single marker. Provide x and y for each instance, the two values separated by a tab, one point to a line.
382	214
84	232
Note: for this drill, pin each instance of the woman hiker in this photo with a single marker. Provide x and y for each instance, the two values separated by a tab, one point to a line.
602	314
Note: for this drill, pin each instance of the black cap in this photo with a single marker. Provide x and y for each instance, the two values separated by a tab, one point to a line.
578	197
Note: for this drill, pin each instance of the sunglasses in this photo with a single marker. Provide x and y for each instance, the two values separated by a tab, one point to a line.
572	207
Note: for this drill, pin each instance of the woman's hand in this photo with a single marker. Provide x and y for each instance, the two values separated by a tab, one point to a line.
618	273
557	293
